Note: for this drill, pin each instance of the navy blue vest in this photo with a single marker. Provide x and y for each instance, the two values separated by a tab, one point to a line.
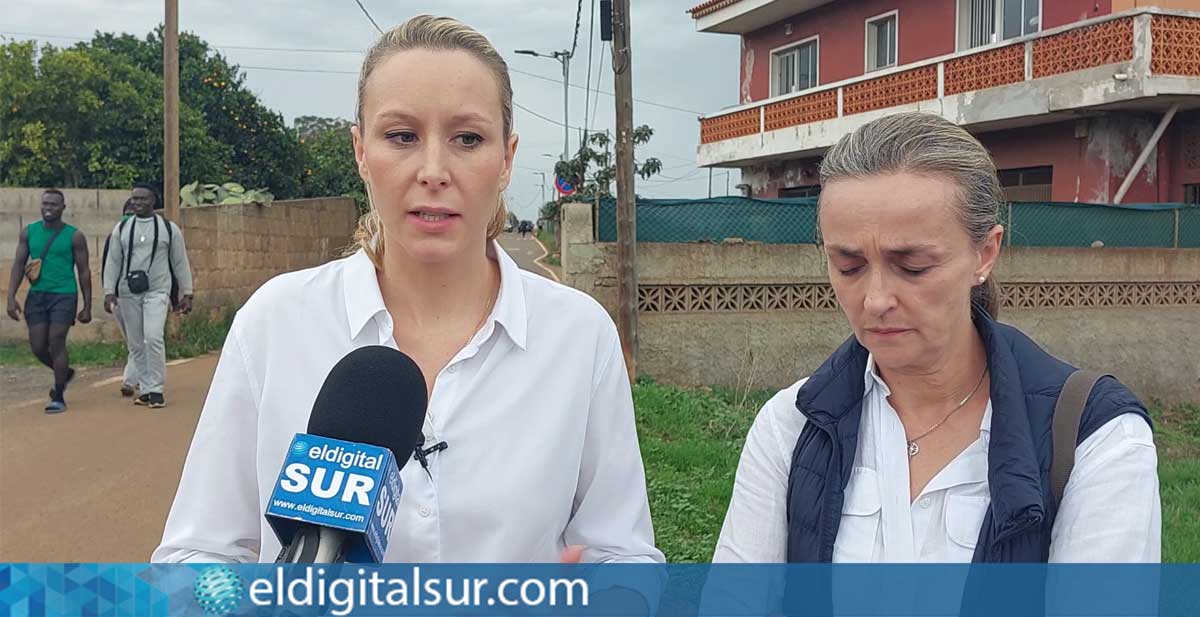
1025	384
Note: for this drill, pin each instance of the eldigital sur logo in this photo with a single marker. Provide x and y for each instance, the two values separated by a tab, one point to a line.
299	447
343	457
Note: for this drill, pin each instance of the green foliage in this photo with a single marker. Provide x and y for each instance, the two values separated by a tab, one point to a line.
329	165
311	126
87	117
91	116
549	211
593	169
230	193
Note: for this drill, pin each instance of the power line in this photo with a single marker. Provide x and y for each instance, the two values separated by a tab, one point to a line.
599	80
364	10
575	42
214	45
672	156
291	49
552	80
291	70
690	112
669	180
45	36
551	120
587	91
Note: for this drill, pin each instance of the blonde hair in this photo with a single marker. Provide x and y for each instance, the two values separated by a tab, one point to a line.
439	34
927	144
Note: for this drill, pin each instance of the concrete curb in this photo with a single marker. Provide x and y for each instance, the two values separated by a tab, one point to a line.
538	261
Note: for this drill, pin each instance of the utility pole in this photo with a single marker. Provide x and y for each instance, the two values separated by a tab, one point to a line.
622	62
543	175
563	57
566	66
171	111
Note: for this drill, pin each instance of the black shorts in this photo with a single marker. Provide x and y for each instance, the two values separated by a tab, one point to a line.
41	307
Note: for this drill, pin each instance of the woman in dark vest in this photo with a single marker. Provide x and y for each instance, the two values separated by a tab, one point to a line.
926	437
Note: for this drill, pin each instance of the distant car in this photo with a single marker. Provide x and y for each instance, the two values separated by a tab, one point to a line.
509	227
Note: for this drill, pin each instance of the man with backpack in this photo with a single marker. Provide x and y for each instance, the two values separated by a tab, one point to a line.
129	376
146	275
58	271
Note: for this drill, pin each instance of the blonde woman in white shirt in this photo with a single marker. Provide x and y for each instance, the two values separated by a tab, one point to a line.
527	383
926	436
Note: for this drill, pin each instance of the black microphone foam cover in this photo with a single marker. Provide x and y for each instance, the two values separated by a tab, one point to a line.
375	395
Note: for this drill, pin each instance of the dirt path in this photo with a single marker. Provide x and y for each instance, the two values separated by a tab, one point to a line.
95	483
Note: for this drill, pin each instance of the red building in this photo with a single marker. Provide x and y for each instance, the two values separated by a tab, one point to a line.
1074	98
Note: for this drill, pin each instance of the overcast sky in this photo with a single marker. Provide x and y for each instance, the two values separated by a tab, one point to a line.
673	65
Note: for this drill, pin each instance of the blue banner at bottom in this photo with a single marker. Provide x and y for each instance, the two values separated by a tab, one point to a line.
594	590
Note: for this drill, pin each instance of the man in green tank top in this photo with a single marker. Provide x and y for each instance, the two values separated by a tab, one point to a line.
50	307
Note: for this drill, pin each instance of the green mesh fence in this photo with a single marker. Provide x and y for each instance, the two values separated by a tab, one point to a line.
793	221
1189	227
1072	224
772	221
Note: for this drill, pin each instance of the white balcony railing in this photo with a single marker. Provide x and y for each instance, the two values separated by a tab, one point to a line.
1159	42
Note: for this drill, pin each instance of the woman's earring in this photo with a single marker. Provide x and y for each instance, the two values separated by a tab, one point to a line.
982	279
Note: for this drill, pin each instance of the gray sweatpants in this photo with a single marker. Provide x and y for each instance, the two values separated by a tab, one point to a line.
130	375
145	318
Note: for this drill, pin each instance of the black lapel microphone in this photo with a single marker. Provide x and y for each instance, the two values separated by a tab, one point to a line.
421	453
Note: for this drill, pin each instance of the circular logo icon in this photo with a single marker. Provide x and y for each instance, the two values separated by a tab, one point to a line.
299	447
218	590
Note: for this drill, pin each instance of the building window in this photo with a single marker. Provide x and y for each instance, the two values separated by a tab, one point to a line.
795	68
1021	17
881	41
1027	183
811	190
983	22
1191	194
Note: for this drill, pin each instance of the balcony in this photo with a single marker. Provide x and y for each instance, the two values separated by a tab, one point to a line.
742	16
1143	59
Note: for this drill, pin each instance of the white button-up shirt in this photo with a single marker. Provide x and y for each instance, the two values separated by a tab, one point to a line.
1110	510
536	411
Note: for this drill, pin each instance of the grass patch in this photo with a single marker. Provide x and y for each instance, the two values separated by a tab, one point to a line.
550	241
691	441
195	336
1179	482
82	354
1177	436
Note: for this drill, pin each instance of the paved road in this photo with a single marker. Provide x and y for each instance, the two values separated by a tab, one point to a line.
525	251
95	483
25	384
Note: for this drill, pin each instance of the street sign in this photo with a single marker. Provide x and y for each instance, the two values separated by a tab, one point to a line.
563	187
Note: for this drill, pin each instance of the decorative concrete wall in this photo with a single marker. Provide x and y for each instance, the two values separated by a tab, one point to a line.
764	315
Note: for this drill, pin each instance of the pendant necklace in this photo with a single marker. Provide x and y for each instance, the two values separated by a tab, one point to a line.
914	448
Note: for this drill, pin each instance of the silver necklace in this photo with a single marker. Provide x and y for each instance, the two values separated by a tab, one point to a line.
914	448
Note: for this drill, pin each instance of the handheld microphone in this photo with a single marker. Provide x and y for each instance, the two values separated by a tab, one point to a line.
338	491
